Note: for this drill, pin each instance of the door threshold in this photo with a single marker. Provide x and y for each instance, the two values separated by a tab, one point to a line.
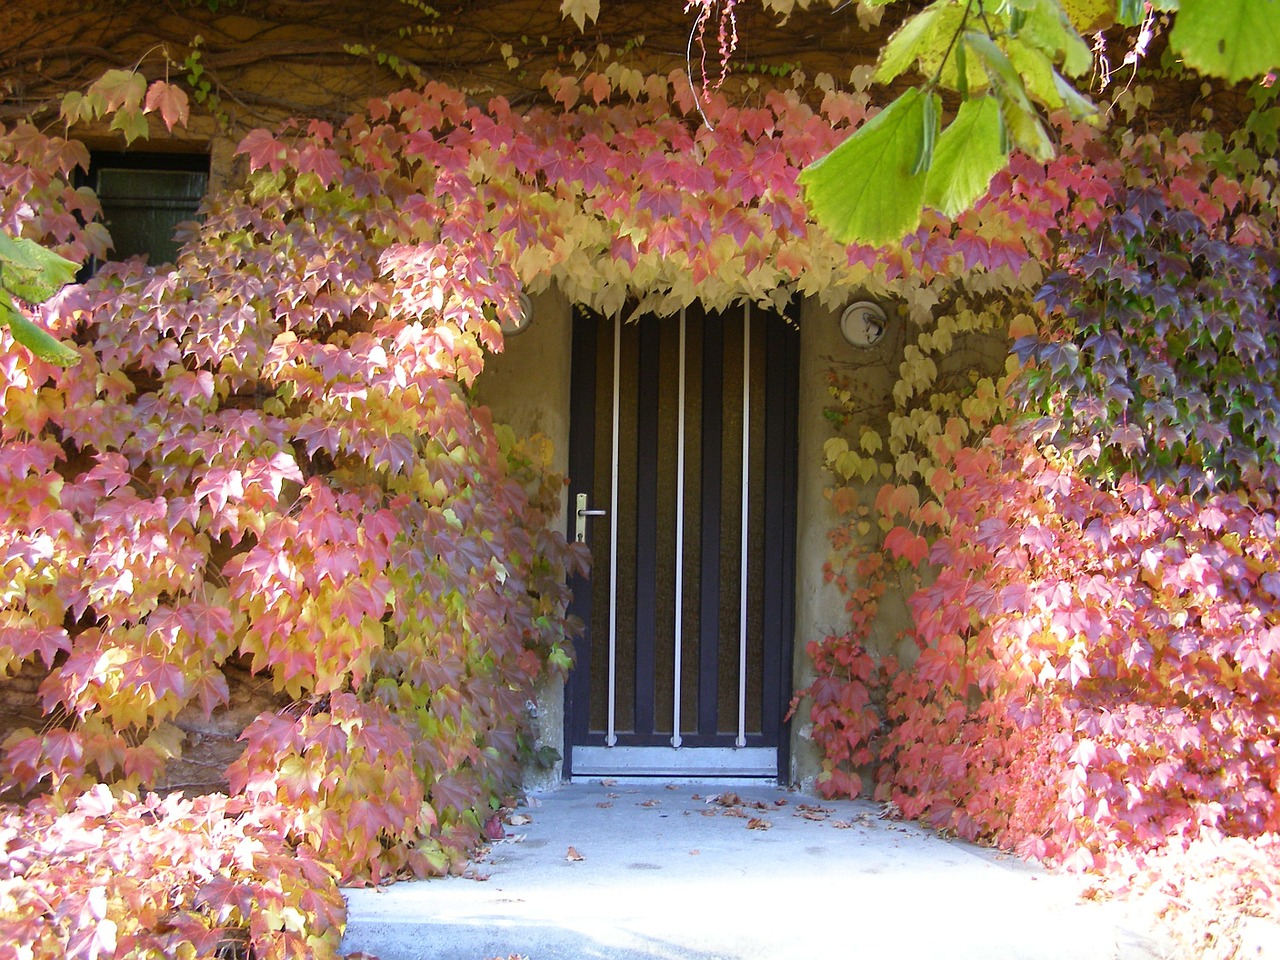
703	763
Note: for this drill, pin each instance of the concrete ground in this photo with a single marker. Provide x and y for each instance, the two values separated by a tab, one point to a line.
656	871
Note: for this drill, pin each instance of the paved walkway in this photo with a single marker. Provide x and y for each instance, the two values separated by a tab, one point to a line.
654	871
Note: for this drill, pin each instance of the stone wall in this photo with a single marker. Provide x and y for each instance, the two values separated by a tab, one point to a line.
211	744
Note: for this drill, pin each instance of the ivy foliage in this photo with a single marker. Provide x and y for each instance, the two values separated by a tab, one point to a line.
1001	65
1089	544
119	876
1164	357
267	454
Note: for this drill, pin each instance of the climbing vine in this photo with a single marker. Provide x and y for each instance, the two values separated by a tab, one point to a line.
268	453
1088	542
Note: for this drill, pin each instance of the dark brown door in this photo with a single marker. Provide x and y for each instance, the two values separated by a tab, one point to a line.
682	466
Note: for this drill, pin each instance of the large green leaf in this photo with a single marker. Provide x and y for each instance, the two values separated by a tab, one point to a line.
38	341
1048	28
908	43
31	272
865	190
1235	39
1021	121
969	153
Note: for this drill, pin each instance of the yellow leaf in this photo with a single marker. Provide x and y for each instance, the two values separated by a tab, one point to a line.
834	447
848	465
580	11
1023	325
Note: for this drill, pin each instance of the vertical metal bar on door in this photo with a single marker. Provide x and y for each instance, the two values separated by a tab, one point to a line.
741	741
611	736
676	739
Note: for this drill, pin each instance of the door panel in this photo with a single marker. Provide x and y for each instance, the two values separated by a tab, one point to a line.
683	665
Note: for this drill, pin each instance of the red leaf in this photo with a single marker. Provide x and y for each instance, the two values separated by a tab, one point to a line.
904	544
263	150
170	100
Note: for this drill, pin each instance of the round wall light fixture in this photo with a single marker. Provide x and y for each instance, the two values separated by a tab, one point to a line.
520	322
863	323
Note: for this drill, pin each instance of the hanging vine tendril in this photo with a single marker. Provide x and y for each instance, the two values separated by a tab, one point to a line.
724	15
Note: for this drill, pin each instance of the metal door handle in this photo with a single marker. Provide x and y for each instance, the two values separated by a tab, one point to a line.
580	518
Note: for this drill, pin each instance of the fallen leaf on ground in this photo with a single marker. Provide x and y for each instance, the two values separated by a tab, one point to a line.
758	823
608	782
734	812
708	813
673	786
613	796
726	799
780	802
605	803
695	853
810	815
814	808
841	824
573	856
519	819
650	803
696	796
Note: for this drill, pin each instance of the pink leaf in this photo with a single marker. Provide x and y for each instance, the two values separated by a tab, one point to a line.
904	544
170	100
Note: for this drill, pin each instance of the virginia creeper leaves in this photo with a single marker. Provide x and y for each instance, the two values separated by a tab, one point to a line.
163	877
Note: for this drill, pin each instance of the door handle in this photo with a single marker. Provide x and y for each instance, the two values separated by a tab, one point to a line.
580	518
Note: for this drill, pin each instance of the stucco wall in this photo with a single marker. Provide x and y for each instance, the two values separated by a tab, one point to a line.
820	607
527	387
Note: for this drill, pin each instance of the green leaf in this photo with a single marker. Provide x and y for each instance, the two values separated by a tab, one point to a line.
1048	29
1036	71
121	89
1078	105
864	189
38	341
1021	122
130	122
968	155
908	43
1131	12
31	272
1235	39
928	134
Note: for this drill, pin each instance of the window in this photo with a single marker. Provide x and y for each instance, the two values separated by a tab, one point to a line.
144	197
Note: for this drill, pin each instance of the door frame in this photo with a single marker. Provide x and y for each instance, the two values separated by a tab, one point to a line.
781	392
